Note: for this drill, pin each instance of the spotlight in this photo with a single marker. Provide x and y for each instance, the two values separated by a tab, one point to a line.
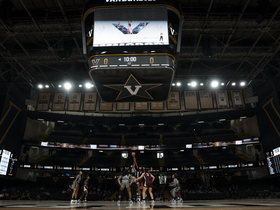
193	84
40	86
189	84
178	84
214	84
92	85
47	86
233	84
201	84
88	85
222	84
59	86
173	84
67	86
242	83
80	85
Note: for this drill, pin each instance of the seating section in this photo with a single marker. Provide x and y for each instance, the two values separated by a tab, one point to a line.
104	159
214	135
66	136
180	159
103	138
64	158
136	139
221	158
179	138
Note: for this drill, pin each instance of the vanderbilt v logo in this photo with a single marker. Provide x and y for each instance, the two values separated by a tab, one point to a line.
133	88
8	120
137	87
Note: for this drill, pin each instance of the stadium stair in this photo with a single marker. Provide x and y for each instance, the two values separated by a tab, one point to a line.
160	140
123	162
161	162
84	140
242	135
123	140
83	161
41	138
244	157
199	139
42	158
200	159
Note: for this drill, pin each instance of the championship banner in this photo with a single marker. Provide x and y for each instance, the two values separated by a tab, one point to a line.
141	106
237	98
105	106
43	101
173	101
206	99
123	106
222	99
90	102
59	102
74	102
190	100
157	106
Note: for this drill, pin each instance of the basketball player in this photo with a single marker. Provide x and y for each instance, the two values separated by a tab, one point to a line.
125	181
78	180
148	184
84	190
140	181
134	185
175	189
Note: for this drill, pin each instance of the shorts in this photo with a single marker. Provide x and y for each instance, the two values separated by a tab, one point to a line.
176	189
125	184
148	183
76	186
140	181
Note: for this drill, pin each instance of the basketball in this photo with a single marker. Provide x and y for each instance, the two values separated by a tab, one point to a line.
133	154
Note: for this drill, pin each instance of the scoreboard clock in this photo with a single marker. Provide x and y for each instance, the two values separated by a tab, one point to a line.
132	47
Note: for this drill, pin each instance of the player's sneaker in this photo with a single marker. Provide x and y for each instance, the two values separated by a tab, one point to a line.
72	201
119	203
85	201
130	202
143	202
138	199
79	200
173	201
153	201
181	200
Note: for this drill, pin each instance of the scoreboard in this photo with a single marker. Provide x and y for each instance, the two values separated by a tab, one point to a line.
132	48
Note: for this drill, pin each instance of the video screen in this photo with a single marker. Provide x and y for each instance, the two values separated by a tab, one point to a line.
273	161
126	27
7	162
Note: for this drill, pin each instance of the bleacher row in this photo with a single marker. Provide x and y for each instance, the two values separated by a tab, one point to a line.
147	159
131	139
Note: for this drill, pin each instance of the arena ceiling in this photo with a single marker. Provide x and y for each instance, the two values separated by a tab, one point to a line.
232	40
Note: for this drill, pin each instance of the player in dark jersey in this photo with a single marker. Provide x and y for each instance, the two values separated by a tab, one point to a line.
140	181
133	186
125	181
78	181
148	184
84	190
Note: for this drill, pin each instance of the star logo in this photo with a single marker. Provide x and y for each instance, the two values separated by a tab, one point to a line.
59	97
75	96
133	88
44	97
172	95
90	96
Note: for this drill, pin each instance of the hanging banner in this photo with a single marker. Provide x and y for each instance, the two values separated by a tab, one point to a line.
105	106
74	102
190	100
59	102
237	99
90	102
173	101
125	106
205	99
43	101
140	106
222	99
157	106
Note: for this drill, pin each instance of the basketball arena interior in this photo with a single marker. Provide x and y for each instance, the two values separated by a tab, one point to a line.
186	87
